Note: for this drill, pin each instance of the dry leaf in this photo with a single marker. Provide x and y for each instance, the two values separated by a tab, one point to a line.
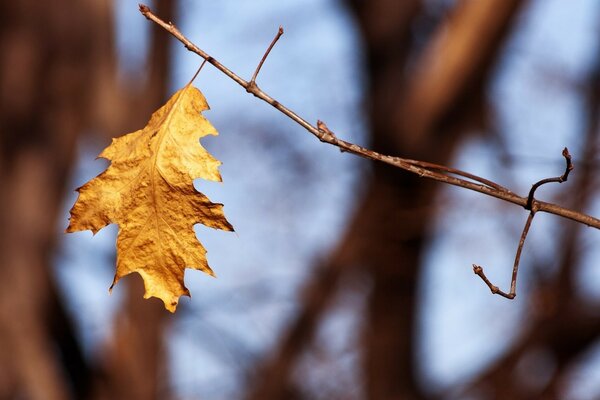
148	191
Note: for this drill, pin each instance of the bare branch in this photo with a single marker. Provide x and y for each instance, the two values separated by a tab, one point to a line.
421	168
262	61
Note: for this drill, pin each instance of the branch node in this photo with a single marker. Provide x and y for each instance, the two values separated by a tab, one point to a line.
264	57
252	87
325	133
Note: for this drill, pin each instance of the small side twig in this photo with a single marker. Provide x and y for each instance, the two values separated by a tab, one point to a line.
533	208
264	57
559	179
324	131
464	174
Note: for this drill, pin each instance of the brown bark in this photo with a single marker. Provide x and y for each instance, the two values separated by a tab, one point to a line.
46	62
58	78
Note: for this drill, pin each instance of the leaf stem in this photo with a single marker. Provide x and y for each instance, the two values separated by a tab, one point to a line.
197	72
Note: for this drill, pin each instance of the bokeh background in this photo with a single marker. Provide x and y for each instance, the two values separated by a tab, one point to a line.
345	279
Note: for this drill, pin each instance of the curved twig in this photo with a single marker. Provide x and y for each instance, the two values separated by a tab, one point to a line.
478	270
558	179
532	207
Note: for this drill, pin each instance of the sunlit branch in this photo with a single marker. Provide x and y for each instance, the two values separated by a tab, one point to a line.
421	168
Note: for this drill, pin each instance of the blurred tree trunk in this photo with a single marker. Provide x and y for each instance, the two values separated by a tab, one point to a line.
561	324
44	105
420	103
57	80
422	117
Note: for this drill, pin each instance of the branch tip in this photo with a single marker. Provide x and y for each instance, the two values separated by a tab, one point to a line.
513	280
559	179
144	9
264	57
478	270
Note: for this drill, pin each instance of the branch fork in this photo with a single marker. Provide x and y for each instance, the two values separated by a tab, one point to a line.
533	206
325	132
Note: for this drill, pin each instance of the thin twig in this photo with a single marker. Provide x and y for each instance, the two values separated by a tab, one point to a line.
488	188
532	206
450	170
264	57
513	282
559	179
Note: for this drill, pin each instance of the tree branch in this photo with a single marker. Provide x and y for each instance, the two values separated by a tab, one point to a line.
421	168
532	206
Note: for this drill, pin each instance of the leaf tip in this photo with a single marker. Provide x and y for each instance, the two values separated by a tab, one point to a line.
172	303
112	285
171	307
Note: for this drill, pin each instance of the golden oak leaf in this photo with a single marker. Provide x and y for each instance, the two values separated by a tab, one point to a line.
148	191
